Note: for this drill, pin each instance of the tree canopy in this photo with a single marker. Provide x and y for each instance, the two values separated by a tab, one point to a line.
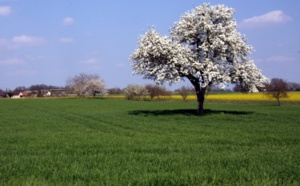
86	84
277	89
204	47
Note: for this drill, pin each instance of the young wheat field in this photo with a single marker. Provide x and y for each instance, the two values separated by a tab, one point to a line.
120	142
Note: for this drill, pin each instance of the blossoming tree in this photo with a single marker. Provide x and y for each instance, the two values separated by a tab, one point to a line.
204	47
86	84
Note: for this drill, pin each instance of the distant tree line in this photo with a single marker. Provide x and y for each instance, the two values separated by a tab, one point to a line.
36	87
91	84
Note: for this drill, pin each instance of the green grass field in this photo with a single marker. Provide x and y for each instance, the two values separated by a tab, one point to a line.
120	142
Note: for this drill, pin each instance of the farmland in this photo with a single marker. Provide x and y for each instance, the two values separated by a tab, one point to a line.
120	142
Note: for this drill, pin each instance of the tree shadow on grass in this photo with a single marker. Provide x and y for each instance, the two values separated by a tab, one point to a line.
187	112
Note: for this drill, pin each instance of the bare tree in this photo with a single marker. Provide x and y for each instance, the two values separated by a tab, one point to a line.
40	93
115	90
86	84
183	91
156	91
42	87
20	89
9	94
277	89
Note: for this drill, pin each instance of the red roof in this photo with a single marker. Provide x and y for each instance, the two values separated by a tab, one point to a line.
25	94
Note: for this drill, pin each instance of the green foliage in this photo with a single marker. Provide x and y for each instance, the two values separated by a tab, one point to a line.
120	142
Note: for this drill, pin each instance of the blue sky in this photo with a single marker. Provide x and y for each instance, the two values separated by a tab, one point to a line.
46	42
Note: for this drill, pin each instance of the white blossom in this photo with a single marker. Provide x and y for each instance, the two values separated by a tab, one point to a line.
95	86
203	45
86	84
135	91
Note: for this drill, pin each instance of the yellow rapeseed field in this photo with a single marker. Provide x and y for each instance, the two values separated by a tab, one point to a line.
292	96
112	96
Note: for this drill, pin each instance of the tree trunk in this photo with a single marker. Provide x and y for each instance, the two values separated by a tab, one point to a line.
278	101
200	93
200	99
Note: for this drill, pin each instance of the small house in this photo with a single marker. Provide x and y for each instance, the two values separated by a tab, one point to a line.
19	95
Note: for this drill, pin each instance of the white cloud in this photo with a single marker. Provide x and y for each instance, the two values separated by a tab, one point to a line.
12	61
27	40
20	41
66	40
90	61
5	10
68	21
270	18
